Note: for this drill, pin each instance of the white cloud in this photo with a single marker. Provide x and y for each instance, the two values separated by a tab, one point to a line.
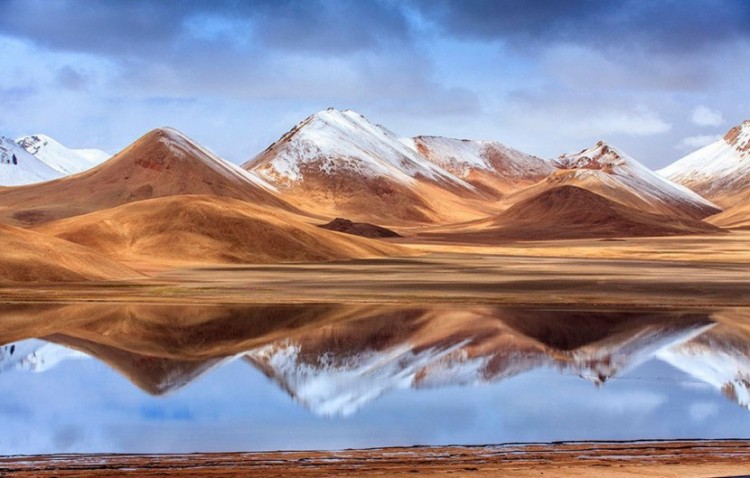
695	142
638	123
704	116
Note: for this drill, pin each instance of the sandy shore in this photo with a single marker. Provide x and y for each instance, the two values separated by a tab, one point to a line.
684	459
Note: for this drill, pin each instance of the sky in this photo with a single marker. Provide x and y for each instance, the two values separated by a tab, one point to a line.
656	78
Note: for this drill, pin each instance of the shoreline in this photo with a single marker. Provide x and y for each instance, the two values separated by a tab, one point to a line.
658	458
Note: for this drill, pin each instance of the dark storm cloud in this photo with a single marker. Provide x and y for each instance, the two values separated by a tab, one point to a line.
670	26
148	28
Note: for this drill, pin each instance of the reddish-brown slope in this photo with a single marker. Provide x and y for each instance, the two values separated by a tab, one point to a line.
161	163
570	212
206	229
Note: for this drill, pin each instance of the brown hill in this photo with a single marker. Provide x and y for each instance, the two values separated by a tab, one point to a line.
570	212
363	229
27	256
206	229
161	163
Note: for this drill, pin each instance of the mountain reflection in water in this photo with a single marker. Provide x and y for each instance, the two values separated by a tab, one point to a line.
334	359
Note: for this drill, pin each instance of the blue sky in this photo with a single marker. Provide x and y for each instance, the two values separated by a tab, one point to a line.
657	78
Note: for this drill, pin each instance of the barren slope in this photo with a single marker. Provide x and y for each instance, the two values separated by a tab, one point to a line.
205	229
28	256
734	217
570	212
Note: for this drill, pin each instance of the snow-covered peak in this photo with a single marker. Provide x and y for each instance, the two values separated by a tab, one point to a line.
722	166
59	157
601	156
333	141
462	156
18	167
640	179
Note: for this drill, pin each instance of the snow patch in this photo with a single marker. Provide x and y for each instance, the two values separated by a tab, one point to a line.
60	158
24	169
721	164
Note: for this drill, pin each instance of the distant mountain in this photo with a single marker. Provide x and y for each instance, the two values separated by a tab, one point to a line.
487	165
58	157
719	171
548	211
18	167
620	174
161	163
340	164
571	212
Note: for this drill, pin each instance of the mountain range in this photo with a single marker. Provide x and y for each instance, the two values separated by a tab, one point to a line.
338	164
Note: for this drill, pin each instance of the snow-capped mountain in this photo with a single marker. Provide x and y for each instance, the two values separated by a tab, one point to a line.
161	163
18	167
339	164
334	141
610	163
60	158
482	162
718	171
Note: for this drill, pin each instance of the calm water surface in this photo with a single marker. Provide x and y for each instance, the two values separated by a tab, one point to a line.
104	378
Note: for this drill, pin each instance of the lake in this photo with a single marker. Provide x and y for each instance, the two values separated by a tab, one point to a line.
138	378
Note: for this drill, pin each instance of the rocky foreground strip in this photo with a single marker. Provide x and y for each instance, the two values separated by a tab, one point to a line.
647	458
